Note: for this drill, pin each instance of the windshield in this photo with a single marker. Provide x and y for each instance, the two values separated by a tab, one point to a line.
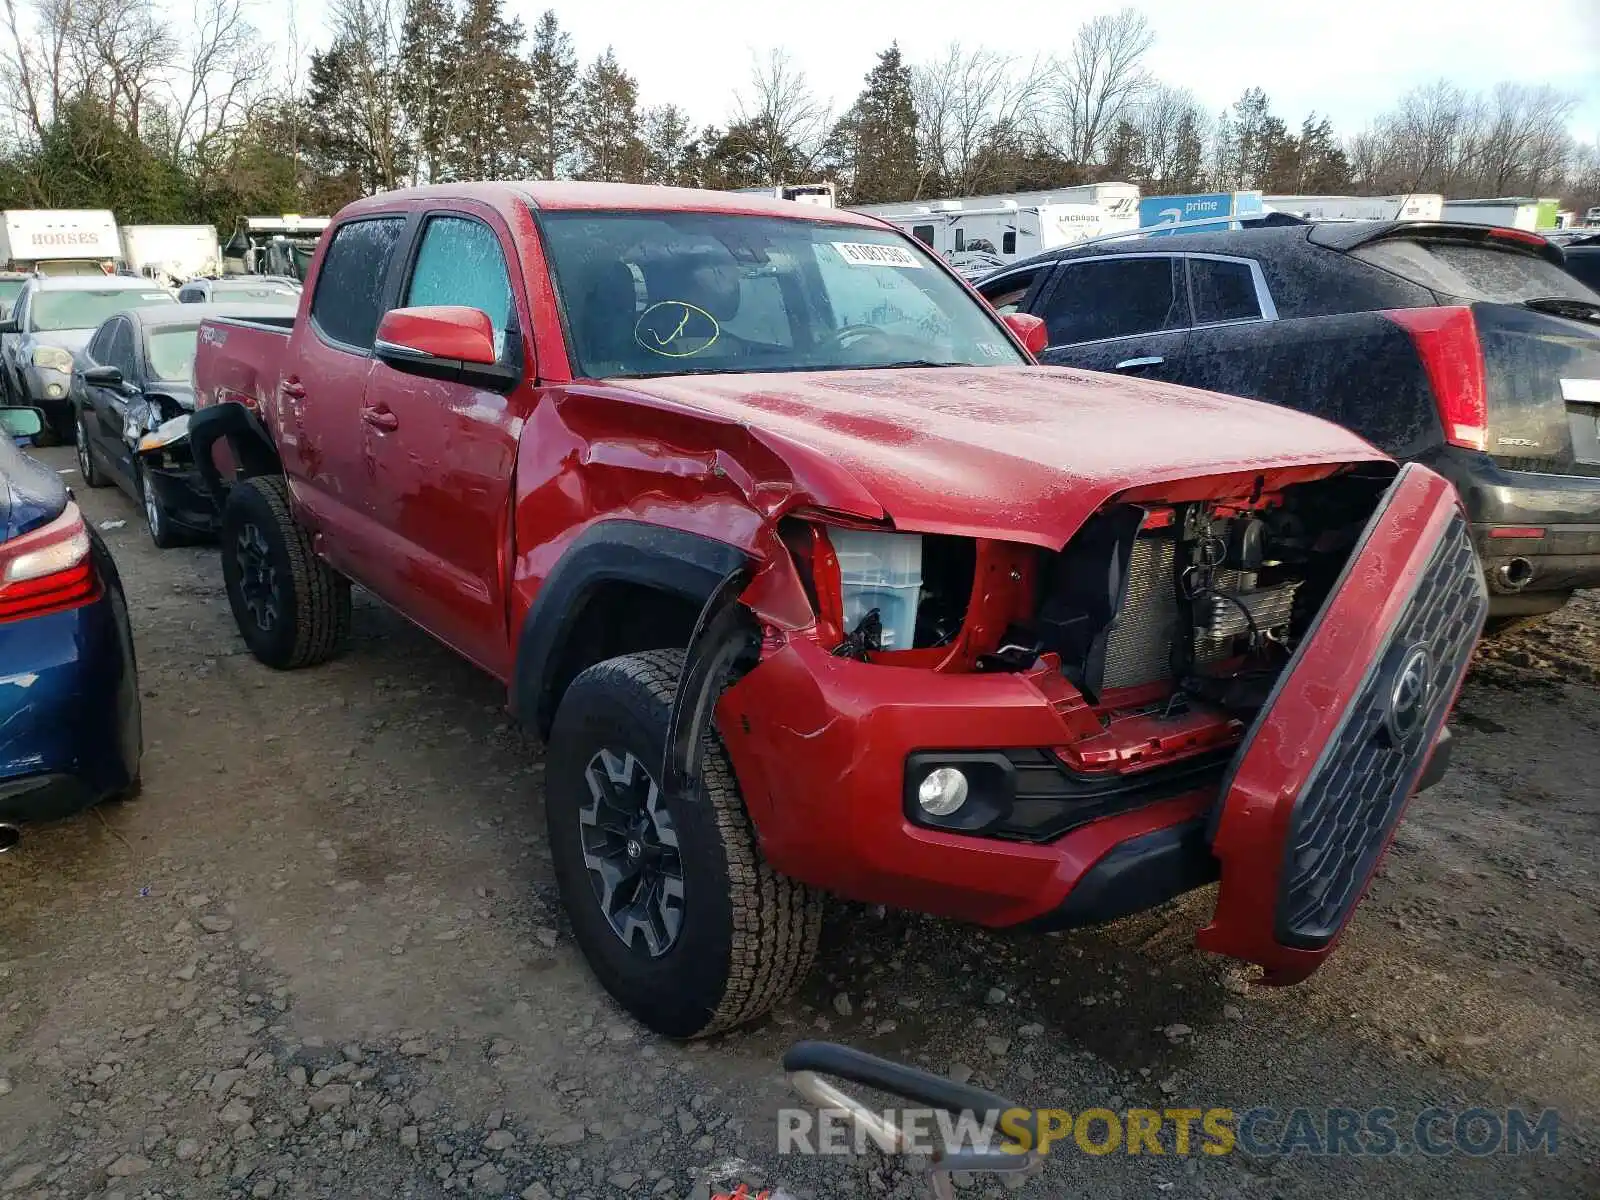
690	293
171	352
86	308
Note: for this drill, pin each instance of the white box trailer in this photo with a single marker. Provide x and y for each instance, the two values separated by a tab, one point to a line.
59	241
173	254
979	234
1530	213
1413	206
823	195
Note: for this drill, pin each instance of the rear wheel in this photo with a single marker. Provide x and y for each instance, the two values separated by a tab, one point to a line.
292	609
680	918
86	466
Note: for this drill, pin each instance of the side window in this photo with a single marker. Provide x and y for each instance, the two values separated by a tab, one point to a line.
1008	242
460	262
1006	295
961	240
20	313
350	284
1222	291
99	345
762	316
119	349
1114	297
923	234
190	295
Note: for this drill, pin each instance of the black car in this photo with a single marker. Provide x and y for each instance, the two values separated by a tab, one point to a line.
132	395
1463	347
1582	255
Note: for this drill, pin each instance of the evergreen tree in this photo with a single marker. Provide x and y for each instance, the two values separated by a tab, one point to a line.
667	138
495	120
431	61
875	143
607	133
554	74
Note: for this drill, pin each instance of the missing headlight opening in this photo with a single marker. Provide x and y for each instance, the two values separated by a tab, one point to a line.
1157	603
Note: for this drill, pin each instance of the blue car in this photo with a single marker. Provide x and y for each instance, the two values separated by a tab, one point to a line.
69	690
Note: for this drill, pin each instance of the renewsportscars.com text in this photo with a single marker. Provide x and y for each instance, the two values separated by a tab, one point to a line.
1259	1132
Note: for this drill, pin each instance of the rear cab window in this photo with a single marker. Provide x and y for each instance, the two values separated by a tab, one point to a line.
350	285
1475	271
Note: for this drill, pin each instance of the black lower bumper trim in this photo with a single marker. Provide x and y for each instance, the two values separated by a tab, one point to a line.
1141	873
1438	762
43	798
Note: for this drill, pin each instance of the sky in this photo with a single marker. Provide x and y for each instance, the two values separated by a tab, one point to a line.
1320	57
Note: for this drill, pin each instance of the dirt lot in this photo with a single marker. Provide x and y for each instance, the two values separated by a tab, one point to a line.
322	955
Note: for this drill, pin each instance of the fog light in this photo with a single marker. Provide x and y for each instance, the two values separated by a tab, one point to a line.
942	792
54	391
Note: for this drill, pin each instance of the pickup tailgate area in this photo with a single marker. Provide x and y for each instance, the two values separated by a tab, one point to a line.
1326	770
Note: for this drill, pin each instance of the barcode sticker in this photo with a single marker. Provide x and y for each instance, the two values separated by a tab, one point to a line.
866	254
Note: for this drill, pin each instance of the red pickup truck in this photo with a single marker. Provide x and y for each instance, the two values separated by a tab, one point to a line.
813	581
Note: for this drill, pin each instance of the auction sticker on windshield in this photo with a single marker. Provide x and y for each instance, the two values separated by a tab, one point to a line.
864	254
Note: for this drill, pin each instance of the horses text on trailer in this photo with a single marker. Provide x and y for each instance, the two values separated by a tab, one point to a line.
59	241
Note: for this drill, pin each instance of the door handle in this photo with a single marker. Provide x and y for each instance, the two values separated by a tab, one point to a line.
1135	364
293	389
380	418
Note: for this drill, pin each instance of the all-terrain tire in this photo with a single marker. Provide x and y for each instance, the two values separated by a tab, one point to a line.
306	619
748	935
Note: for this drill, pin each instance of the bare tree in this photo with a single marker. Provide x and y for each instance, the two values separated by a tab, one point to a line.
215	89
973	111
779	121
1102	76
1525	143
1172	127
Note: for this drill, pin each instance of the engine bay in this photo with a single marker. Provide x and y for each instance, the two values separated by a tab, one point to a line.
1154	604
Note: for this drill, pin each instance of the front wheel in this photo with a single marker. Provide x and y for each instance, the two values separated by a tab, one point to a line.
292	609
671	902
162	531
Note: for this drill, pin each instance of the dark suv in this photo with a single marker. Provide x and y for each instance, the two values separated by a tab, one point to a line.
1464	347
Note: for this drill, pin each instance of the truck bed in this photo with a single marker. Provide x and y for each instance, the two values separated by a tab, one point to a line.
240	359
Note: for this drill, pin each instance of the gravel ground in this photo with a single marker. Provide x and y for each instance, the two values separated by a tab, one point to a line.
322	956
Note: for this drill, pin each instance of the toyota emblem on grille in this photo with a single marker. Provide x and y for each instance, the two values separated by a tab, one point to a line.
1409	689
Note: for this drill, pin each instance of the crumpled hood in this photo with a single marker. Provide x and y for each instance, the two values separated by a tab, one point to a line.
1020	453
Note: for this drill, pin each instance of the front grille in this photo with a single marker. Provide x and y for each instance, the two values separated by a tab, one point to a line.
1354	795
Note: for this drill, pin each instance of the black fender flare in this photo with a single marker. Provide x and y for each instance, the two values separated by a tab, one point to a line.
688	565
223	421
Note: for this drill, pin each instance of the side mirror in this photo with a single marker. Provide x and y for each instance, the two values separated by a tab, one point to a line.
21	422
1029	329
447	342
106	377
9	325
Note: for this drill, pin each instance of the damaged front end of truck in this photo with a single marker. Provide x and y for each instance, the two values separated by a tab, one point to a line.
1240	677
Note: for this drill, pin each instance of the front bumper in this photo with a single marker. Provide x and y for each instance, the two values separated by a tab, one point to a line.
821	746
183	492
69	711
48	390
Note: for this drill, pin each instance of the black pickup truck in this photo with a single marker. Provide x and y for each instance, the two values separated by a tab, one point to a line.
1464	347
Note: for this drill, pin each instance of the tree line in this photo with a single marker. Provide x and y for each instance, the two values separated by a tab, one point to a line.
108	105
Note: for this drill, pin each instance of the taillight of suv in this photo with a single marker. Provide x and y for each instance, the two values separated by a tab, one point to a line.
48	570
1447	342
